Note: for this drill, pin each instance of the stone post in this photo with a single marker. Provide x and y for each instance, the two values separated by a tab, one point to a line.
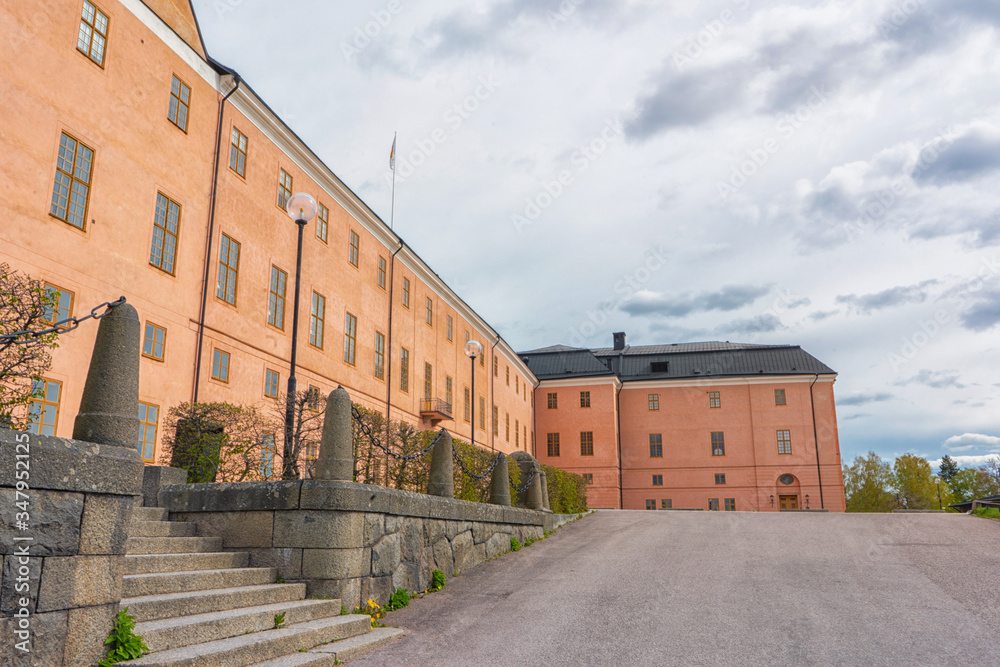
336	450
109	409
442	478
545	490
500	484
532	496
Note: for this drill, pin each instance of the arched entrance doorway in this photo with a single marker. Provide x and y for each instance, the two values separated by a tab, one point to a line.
788	492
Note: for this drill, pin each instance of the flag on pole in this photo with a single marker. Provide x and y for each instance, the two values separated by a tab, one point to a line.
392	154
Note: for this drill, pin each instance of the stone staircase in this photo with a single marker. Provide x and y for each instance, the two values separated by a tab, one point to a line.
196	605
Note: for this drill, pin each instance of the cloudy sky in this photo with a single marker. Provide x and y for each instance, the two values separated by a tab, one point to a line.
815	173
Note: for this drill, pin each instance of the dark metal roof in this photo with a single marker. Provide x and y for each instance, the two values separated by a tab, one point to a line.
687	360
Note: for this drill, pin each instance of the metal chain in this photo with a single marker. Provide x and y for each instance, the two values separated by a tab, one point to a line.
461	464
366	430
62	326
524	488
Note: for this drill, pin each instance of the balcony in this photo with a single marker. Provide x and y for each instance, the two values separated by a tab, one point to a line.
435	410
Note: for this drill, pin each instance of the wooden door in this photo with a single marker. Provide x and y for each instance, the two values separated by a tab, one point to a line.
789	502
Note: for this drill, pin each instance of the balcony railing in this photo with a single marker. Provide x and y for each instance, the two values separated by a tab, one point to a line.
435	409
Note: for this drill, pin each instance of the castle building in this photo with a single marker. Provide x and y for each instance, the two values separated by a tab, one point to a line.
711	426
136	165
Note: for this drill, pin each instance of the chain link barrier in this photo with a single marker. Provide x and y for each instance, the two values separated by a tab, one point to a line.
478	478
524	487
366	430
62	326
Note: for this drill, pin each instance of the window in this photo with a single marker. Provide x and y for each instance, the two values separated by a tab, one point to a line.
584	399
317	315
482	413
379	355
148	416
656	445
657	480
450	324
718	444
271	383
312	397
180	100
553	400
350	337
428	380
381	271
406	292
496	420
166	224
651	504
404	369
552	444
62	304
784	442
355	248
730	504
93	33
507	415
508	376
284	188
311	450
154	339
588	477
466	336
43	409
659	366
720	478
517	384
276	298
517	433
714	401
323	223
779	397
654	401
713	504
71	190
586	443
468	404
448	393
496	367
220	365
229	266
430	312
238	152
267	449
666	504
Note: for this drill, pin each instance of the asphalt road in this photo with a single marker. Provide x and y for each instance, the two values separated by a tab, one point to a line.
721	588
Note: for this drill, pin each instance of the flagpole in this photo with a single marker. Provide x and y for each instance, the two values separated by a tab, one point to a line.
392	210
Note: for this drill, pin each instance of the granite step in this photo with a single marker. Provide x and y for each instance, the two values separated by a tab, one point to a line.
137	585
352	647
169	633
299	658
162	529
155	607
150	514
162	563
256	647
172	545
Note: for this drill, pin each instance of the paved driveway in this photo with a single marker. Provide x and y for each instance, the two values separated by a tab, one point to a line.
722	588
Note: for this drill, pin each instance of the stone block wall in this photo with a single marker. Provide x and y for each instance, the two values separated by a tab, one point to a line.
63	549
348	540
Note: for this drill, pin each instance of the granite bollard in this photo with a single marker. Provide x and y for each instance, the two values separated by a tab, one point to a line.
442	480
500	484
336	450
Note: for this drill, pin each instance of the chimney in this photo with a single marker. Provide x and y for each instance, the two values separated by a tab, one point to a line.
619	340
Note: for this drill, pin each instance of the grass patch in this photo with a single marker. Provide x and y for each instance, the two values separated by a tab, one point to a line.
987	512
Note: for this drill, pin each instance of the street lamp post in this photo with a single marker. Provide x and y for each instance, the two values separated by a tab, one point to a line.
301	208
473	349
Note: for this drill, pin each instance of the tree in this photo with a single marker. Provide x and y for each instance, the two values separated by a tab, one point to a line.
867	482
25	305
948	469
971	483
219	442
992	468
308	414
914	483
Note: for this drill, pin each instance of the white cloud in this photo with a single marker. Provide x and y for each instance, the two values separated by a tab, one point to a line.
964	461
969	441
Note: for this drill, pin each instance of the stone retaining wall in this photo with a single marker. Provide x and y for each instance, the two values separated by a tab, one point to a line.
352	541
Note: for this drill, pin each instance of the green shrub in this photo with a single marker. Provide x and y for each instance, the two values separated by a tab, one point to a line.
399	599
987	512
124	643
567	492
437	580
515	544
